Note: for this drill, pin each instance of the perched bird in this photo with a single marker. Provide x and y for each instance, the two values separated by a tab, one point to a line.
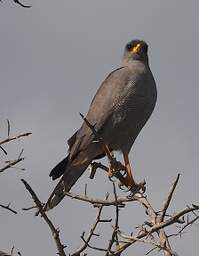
118	111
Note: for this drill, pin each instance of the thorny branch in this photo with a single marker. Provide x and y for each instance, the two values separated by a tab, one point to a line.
55	232
114	237
19	3
92	233
8	139
7	207
168	200
157	226
96	202
188	223
11	163
4	254
152	231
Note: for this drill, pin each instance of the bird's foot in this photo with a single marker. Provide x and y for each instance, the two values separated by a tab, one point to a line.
137	188
133	187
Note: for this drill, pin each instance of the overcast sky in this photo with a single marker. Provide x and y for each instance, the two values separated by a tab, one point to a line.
53	58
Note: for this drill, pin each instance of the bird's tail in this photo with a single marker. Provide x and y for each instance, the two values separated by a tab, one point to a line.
59	169
71	175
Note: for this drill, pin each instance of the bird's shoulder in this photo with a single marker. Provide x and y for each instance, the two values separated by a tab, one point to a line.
117	82
111	85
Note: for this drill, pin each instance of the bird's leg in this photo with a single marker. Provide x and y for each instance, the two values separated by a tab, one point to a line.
130	181
110	170
110	156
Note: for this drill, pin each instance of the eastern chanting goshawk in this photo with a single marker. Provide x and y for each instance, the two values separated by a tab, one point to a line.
118	111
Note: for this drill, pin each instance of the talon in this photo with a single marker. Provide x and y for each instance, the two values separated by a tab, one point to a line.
137	188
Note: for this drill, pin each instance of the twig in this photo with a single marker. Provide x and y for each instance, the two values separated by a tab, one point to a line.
15	137
8	124
116	227
164	243
12	251
7	207
4	151
29	208
24	6
155	219
155	244
189	223
168	200
96	202
157	227
91	233
4	254
55	232
11	163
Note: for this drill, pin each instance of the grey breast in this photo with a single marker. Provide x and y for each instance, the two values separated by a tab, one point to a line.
132	108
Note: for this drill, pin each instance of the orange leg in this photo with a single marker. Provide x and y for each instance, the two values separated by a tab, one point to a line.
109	155
110	170
130	180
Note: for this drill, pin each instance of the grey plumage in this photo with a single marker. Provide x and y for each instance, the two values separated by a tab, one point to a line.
119	110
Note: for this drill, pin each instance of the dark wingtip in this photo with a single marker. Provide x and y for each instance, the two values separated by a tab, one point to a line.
59	169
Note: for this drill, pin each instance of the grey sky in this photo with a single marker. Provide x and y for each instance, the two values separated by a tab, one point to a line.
53	58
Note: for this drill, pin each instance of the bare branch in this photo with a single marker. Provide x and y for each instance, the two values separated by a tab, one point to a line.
24	6
156	228
151	242
155	219
11	164
114	237
4	254
29	208
55	232
12	251
4	151
7	207
97	202
15	137
168	200
8	124
91	233
188	223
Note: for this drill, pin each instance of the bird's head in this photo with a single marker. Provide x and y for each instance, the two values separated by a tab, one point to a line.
135	50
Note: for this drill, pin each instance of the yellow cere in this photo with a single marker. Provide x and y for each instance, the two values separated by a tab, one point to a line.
135	48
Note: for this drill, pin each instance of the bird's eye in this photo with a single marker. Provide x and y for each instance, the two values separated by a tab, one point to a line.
128	47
